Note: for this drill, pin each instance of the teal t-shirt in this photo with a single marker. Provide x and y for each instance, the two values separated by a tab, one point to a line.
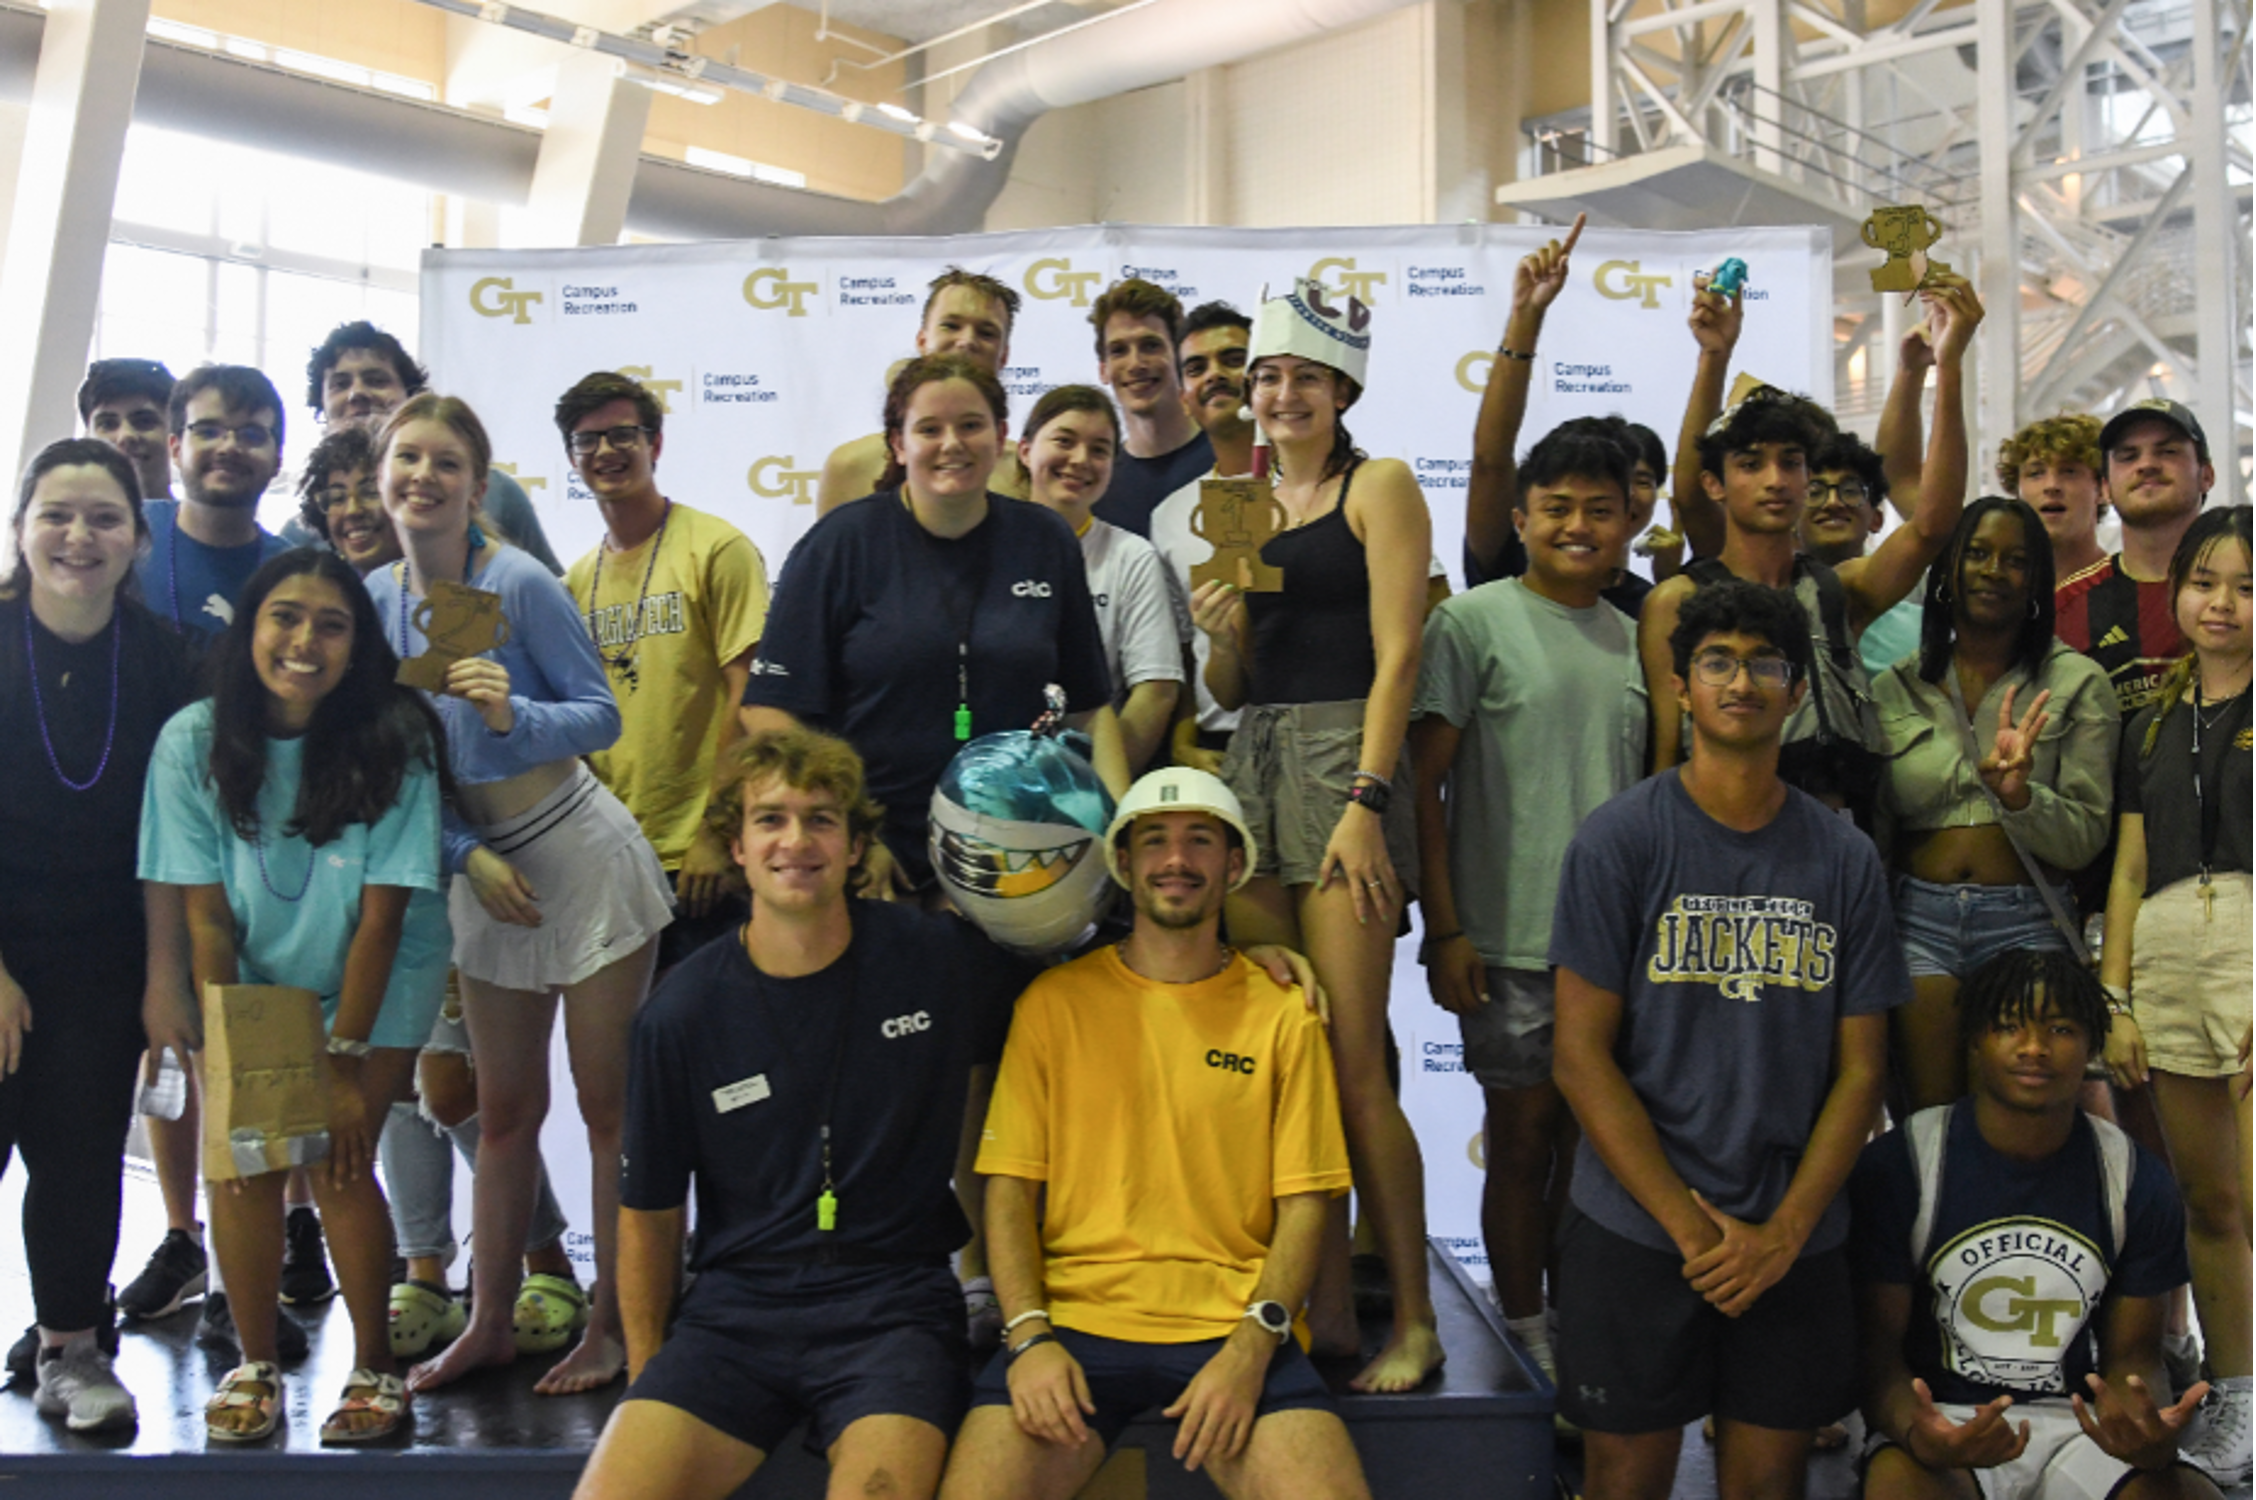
296	907
1551	702
1895	635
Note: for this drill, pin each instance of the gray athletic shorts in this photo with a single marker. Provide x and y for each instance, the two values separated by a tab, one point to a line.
1291	766
1508	1040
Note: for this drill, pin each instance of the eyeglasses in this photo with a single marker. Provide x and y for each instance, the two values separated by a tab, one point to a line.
338	497
1851	491
249	435
1721	669
620	438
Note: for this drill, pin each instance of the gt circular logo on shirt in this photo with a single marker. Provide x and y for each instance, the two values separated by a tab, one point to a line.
2011	1298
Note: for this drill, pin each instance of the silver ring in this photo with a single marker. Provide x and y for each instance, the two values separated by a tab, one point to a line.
1376	885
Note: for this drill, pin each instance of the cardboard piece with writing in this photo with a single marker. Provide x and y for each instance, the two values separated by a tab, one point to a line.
1236	517
1904	231
457	622
266	1093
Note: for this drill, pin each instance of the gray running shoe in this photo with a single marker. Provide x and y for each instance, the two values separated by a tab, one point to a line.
2219	1446
217	1328
77	1384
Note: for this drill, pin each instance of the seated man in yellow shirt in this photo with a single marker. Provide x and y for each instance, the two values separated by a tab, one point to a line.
1178	1108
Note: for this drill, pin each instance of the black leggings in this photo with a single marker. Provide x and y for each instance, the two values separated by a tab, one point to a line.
66	1108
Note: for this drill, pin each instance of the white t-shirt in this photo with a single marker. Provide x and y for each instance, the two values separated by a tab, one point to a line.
1141	617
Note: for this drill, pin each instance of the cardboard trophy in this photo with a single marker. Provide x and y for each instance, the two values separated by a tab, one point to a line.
1236	517
1904	231
266	1080
457	622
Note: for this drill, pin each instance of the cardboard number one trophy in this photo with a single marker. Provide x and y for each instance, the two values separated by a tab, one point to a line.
1238	516
457	622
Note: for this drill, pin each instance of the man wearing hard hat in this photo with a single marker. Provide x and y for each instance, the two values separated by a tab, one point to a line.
1176	1106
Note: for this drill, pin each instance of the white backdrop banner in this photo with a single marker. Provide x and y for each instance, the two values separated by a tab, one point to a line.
769	353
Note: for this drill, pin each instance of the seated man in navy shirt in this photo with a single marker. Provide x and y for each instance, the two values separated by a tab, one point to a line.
1993	1239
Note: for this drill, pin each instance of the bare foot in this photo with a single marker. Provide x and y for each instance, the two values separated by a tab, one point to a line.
1411	1354
477	1349
594	1362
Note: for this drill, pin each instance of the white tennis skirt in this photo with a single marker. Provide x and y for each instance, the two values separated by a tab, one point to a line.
601	890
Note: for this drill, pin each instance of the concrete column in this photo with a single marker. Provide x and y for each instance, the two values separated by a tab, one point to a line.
1998	280
1206	147
1770	74
1603	105
588	155
2216	277
59	230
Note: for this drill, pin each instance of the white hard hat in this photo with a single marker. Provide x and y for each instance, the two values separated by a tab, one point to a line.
1179	789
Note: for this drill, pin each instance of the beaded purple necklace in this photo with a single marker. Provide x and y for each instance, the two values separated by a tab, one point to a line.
39	702
313	857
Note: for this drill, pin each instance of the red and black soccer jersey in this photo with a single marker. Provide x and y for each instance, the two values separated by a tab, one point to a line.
2124	625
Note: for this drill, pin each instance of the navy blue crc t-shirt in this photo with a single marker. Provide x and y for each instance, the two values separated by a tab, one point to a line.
730	1070
862	639
1139	484
1736	955
2018	1261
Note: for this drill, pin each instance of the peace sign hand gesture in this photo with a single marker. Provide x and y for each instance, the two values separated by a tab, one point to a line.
2005	770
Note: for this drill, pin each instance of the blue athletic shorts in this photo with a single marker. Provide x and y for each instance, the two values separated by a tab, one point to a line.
752	1353
1127	1379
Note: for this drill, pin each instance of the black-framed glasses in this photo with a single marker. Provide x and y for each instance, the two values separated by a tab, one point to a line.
1721	669
249	435
1851	491
340	497
620	438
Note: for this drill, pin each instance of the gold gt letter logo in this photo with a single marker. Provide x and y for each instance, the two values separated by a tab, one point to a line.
774	478
771	287
504	301
1065	284
1346	281
1632	282
664	390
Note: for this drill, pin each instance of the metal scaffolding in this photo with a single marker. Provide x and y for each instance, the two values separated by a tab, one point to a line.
2089	159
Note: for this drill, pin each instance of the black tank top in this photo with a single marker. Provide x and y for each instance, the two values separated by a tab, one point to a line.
1312	638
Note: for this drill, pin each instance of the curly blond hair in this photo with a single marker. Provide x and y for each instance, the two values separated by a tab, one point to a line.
805	760
2070	438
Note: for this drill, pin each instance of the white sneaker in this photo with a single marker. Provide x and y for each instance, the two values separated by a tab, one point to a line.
2219	1446
77	1383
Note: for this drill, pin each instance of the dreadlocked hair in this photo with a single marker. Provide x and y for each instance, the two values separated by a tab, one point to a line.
2208	528
2015	986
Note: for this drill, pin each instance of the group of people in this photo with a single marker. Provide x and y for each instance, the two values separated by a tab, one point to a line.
1720	873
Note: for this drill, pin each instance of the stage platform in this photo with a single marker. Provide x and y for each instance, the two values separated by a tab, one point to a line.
1483	1426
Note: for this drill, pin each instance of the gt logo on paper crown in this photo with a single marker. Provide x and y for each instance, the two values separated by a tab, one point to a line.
774	478
505	302
1066	283
1633	281
662	389
771	287
1346	280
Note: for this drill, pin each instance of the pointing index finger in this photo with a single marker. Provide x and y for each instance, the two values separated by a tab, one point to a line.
1566	247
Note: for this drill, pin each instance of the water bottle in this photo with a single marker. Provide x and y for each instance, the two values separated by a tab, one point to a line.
167	1098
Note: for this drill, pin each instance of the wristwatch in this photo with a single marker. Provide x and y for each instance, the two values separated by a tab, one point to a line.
1274	1317
1372	794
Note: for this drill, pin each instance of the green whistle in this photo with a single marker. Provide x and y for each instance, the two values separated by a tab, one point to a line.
963	721
826	1211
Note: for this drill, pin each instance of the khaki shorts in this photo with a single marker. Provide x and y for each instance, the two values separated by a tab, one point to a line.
1290	766
2190	975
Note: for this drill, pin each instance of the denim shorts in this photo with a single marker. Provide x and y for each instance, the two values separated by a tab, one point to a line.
1955	929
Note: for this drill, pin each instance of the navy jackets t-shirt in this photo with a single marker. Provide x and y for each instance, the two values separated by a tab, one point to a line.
2018	1261
1736	955
862	639
1139	484
731	1069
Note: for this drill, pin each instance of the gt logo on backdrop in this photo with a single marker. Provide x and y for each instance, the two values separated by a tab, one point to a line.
771	287
663	389
1621	280
1473	370
1063	282
1345	280
498	297
528	482
774	478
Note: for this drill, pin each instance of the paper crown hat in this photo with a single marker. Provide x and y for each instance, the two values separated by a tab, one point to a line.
1314	323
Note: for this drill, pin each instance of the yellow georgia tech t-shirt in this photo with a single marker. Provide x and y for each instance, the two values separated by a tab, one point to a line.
1166	1120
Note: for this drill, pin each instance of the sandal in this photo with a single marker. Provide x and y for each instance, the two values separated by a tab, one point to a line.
239	1391
365	1392
550	1312
423	1316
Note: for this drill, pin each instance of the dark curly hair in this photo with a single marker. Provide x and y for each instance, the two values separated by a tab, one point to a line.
806	760
1737	607
364	736
346	448
2014	986
1766	415
360	335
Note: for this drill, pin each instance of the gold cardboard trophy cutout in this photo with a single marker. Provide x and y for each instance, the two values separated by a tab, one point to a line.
457	622
1236	517
1904	231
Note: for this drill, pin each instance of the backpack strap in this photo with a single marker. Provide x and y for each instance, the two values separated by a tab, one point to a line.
2117	1163
1926	1133
1704	571
1832	610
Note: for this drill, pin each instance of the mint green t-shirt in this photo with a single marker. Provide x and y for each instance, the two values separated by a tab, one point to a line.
296	907
1551	702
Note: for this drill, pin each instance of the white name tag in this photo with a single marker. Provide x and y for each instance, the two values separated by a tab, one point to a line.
736	1095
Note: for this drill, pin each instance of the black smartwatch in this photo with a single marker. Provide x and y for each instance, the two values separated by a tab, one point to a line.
1372	794
1274	1318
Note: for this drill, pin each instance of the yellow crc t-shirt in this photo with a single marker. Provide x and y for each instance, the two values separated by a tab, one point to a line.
705	606
1167	1120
